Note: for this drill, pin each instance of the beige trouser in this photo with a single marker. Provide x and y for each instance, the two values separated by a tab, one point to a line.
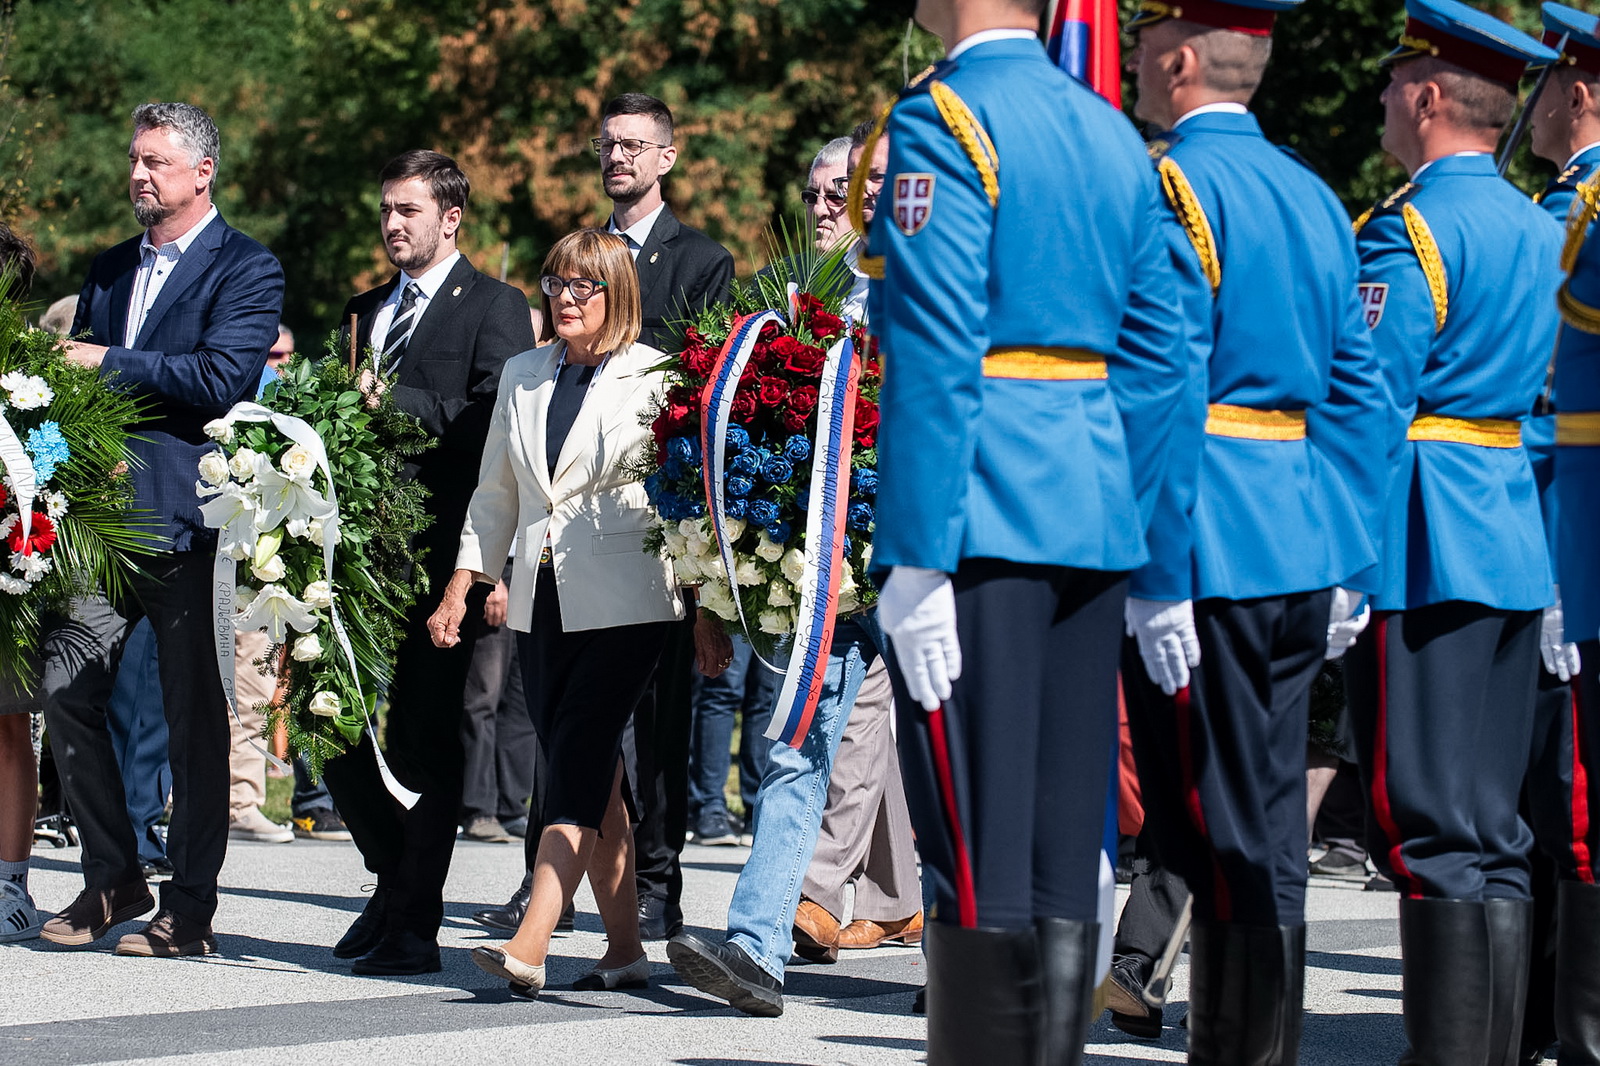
247	766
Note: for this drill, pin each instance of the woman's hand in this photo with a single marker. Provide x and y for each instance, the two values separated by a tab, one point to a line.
713	649
444	626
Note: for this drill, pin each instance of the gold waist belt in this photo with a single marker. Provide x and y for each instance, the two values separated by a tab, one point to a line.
1045	364
1484	432
1578	428
1230	420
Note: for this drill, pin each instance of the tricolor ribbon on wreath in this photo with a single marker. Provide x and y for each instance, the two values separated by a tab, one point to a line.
825	510
325	508
19	467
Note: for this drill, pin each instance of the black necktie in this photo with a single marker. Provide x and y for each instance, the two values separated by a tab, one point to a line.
405	317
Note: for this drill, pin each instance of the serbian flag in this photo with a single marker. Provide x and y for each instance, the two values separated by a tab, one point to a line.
1084	42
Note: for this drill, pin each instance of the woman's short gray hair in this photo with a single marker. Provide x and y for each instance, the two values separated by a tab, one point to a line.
192	127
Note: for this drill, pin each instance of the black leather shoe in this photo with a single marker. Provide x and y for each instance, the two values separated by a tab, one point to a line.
725	971
1125	998
400	953
509	918
985	997
1577	1006
658	919
365	932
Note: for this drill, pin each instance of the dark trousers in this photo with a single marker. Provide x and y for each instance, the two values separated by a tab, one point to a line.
1222	763
1007	782
81	654
1563	787
1442	700
662	725
496	731
1155	902
410	851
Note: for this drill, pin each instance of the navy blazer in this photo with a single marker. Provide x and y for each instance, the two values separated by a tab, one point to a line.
201	350
681	272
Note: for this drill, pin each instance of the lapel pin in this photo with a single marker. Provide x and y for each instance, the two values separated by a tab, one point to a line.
456	291
654	256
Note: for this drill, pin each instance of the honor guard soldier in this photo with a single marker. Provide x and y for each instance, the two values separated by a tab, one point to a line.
1457	268
1031	374
1565	119
1265	543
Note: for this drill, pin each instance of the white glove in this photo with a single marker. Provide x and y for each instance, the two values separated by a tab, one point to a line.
918	610
1560	658
1344	624
1168	643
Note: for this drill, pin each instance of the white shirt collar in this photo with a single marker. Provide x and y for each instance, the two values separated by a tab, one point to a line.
182	242
852	258
985	36
1580	151
1223	107
431	279
1453	155
639	232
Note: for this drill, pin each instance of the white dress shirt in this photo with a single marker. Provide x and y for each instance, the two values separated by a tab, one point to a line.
1224	107
637	233
428	285
985	36
155	266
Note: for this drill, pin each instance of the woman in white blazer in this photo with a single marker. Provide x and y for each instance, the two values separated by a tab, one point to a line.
568	425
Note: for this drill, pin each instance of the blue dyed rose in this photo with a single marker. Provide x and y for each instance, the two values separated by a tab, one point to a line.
654	484
737	507
763	513
866	481
48	450
670	506
694	509
686	449
740	485
746	462
779	532
777	470
738	439
859	517
847	547
797	449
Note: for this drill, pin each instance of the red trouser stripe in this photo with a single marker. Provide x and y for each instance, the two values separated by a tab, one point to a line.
1184	718
966	896
1381	808
1582	860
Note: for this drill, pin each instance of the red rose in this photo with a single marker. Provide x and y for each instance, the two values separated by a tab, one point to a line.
794	421
785	346
773	391
807	360
744	405
682	396
768	332
39	541
809	304
874	369
866	422
803	398
695	338
661	429
3	496
750	375
823	325
698	361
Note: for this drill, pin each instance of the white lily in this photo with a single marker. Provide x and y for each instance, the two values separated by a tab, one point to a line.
232	513
275	611
287	499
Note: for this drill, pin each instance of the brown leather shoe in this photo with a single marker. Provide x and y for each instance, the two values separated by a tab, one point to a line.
865	933
816	933
95	911
168	936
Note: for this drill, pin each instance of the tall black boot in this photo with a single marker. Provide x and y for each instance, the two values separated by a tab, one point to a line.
1067	953
1447	979
1245	988
1510	942
1578	973
984	996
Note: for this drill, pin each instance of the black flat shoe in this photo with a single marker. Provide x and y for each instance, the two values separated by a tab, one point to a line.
726	972
399	954
365	932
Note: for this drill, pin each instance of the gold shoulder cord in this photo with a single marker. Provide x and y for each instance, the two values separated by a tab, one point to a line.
974	140
870	265
1585	205
1181	195
1427	250
1361	220
1576	313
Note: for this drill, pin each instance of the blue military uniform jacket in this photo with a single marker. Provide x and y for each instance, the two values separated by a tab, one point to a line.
1457	268
1056	242
1577	459
1557	196
1284	495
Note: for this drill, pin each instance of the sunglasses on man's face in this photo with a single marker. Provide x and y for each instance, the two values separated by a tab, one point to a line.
809	197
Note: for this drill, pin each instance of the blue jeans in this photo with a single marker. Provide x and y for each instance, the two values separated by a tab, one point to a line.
746	688
138	727
789	806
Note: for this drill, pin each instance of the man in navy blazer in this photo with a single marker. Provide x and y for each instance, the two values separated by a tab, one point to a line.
182	316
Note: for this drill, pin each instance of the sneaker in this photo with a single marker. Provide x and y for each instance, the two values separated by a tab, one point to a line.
19	919
321	823
486	830
1340	864
715	830
255	826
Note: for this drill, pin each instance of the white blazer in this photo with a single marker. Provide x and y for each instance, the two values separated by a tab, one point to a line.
594	512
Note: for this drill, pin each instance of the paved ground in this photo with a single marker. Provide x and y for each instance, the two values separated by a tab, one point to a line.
275	989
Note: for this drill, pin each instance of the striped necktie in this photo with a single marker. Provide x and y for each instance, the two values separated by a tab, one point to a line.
405	319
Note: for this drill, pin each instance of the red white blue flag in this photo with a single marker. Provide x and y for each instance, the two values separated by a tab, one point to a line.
1084	41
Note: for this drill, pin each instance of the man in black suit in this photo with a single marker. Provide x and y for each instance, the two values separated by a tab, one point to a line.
182	316
439	333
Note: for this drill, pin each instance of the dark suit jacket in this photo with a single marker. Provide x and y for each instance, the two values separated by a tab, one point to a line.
200	351
448	380
681	271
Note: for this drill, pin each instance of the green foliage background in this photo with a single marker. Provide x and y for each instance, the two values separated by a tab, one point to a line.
312	96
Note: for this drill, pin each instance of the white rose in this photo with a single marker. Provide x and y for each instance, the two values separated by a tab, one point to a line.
700	545
243	464
847	583
271	570
769	549
849	600
715	597
214	468
326	704
780	594
688	527
748	572
220	430
866	557
733	529
297	463
306	649
674	542
316	532
794	565
686	570
775	622
318	595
